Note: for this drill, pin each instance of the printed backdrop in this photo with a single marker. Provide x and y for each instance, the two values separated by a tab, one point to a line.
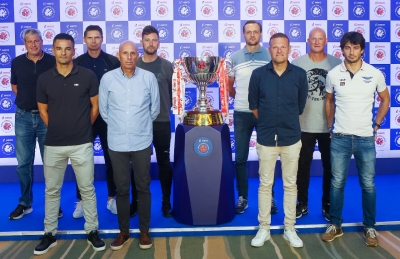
202	28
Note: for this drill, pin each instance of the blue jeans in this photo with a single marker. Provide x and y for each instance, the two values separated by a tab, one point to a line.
363	149
28	127
244	123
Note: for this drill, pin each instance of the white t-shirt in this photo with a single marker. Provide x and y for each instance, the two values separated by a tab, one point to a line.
354	98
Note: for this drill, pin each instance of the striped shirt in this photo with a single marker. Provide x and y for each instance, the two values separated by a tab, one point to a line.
244	63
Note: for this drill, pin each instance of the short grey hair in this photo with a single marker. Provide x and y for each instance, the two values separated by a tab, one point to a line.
32	31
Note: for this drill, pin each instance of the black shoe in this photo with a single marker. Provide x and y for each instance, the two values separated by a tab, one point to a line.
274	208
60	213
48	241
20	211
301	210
325	211
166	209
95	241
133	209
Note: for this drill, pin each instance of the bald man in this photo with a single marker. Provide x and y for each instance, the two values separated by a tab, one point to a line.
313	125
129	103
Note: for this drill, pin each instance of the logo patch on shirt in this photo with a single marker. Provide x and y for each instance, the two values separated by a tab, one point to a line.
76	84
367	79
342	82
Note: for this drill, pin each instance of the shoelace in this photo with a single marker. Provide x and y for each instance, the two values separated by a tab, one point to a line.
292	232
372	233
331	228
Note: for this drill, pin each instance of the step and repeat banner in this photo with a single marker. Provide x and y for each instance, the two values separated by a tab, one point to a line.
204	28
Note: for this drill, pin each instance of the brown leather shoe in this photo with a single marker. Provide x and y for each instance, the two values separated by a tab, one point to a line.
370	237
331	233
145	240
120	241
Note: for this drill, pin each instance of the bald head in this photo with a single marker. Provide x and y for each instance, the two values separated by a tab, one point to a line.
317	40
128	56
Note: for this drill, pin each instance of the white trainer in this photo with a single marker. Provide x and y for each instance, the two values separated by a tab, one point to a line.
112	206
262	236
78	212
291	236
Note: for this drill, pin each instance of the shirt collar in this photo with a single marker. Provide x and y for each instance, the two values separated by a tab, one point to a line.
134	73
269	66
74	70
38	58
260	50
344	69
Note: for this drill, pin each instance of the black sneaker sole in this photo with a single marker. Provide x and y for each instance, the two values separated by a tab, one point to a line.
25	212
46	250
303	213
96	248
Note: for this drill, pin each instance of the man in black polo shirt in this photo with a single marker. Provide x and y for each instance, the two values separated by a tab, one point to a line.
277	96
100	63
25	70
67	97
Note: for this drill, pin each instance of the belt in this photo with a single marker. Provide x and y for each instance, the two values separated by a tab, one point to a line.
31	111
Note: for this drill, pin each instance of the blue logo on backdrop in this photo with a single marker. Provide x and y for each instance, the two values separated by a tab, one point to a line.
207	31
6	15
7	147
20	29
203	146
183	50
139	10
190	98
395	96
184	11
395	139
395	53
227	49
336	29
6	102
6	52
359	10
50	11
74	29
165	30
97	148
296	30
380	31
228	10
115	32
94	11
273	10
395	11
316	10
233	142
385	69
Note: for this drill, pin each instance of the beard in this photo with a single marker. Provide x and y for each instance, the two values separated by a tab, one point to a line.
150	52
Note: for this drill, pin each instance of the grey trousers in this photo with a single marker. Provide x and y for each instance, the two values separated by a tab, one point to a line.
55	163
141	167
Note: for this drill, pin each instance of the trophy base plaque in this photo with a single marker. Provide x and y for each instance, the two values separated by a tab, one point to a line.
208	118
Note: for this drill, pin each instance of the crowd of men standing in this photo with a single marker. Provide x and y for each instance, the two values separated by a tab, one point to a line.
290	105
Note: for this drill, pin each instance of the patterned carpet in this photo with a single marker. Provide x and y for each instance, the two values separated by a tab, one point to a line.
351	245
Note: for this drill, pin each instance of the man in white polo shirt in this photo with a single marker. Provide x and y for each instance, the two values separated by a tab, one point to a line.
351	87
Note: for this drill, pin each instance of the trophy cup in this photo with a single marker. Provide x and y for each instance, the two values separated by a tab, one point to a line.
201	71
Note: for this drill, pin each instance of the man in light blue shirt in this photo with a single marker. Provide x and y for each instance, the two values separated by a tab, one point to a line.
129	103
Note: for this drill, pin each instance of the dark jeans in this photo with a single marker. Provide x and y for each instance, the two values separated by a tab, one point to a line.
308	141
28	127
141	165
161	142
100	129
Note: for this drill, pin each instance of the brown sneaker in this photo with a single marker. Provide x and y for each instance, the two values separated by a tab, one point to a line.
120	241
331	233
145	240
370	237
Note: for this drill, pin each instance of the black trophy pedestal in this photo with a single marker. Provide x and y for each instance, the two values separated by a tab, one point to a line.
203	175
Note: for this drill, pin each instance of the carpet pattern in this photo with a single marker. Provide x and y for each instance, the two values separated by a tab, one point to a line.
351	245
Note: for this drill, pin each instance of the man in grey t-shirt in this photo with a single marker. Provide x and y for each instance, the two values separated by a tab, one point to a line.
317	63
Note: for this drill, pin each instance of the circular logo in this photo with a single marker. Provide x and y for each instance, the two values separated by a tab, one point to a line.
272	30
233	144
7	126
184	10
162	10
184	33
251	10
140	51
6	103
48	12
207	53
163	54
210	99
337	10
294	54
397	33
380	54
5	58
207	33
25	12
139	11
359	30
295	33
397	54
94	11
380	11
231	101
71	11
117	11
97	148
359	11
228	53
203	146
397	11
201	65
253	143
4	81
184	54
337	33
294	10
188	101
397	76
117	34
4	36
137	33
397	98
49	35
380	141
397	119
337	53
316	10
229	10
73	33
207	10
163	33
397	141
273	10
380	33
8	148
4	13
229	33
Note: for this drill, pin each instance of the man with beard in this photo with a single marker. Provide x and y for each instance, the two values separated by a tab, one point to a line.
350	92
100	63
317	63
250	57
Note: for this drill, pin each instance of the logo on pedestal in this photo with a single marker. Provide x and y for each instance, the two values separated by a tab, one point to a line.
203	146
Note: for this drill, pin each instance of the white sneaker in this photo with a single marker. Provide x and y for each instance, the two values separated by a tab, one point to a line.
78	212
112	206
262	236
291	236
